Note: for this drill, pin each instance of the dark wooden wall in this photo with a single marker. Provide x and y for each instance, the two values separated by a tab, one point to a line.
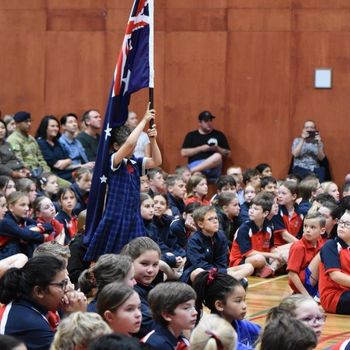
250	62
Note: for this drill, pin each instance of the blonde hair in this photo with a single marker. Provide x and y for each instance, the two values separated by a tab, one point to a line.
211	332
79	329
326	185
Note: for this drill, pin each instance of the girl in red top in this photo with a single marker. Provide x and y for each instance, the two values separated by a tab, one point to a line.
288	222
68	201
45	212
197	189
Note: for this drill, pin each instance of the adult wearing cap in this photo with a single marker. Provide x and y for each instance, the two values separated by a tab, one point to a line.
205	147
25	146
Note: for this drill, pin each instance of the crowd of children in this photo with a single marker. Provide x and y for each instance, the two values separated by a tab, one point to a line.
167	266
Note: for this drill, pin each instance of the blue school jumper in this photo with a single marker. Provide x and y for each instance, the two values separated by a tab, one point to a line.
247	333
13	232
26	320
147	321
176	205
162	339
206	252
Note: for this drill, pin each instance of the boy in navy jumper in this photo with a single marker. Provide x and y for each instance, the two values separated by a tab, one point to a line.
176	193
207	248
173	310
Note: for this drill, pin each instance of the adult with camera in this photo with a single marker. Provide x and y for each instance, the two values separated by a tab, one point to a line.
308	152
205	147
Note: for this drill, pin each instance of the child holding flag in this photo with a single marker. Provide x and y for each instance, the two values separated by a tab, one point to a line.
121	220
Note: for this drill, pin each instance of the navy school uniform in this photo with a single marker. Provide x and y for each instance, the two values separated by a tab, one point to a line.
27	321
70	224
81	197
167	236
13	232
160	338
178	229
176	205
151	231
244	212
205	252
147	321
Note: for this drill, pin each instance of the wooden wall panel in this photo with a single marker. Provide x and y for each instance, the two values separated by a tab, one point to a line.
79	84
258	99
250	62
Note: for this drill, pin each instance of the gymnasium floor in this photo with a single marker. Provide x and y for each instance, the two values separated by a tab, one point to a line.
266	293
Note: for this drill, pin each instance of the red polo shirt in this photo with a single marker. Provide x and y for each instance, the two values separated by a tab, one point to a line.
300	255
247	238
335	256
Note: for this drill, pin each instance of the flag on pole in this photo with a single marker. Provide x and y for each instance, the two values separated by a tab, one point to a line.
134	70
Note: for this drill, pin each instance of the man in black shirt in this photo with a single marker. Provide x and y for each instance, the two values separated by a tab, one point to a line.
205	147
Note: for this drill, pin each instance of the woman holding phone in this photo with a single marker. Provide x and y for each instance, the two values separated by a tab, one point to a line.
308	152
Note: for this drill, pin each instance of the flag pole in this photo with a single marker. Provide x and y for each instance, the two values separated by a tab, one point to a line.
151	104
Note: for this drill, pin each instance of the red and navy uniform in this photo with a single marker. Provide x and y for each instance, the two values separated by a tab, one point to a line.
16	236
29	322
57	227
205	252
335	256
343	345
70	224
300	255
248	238
282	222
162	338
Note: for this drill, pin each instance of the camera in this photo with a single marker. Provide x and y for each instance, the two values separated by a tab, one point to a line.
313	133
211	143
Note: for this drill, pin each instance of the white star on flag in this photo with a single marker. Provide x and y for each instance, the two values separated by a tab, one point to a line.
108	132
103	179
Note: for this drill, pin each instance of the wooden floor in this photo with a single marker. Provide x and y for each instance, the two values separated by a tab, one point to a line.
266	293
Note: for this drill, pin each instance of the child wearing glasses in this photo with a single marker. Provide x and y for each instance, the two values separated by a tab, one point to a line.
334	284
207	248
303	261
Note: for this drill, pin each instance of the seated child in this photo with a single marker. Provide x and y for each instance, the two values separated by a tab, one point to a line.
184	226
253	241
287	333
223	295
213	332
227	208
81	187
173	311
184	171
207	248
249	194
303	261
65	216
156	181
331	188
236	173
144	184
264	169
145	254
346	189
197	190
119	305
308	189
288	222
330	211
252	177
225	183
176	194
268	184
334	280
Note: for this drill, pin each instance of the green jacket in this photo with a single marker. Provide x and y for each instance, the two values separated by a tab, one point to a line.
27	149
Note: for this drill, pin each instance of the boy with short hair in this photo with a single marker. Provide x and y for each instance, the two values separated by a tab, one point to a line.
304	259
156	181
207	248
225	183
269	184
252	177
253	241
176	193
346	189
236	173
334	279
173	310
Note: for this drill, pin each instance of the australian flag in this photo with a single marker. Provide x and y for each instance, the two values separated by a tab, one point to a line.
134	70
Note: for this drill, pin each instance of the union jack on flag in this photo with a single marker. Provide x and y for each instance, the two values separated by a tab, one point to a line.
134	70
